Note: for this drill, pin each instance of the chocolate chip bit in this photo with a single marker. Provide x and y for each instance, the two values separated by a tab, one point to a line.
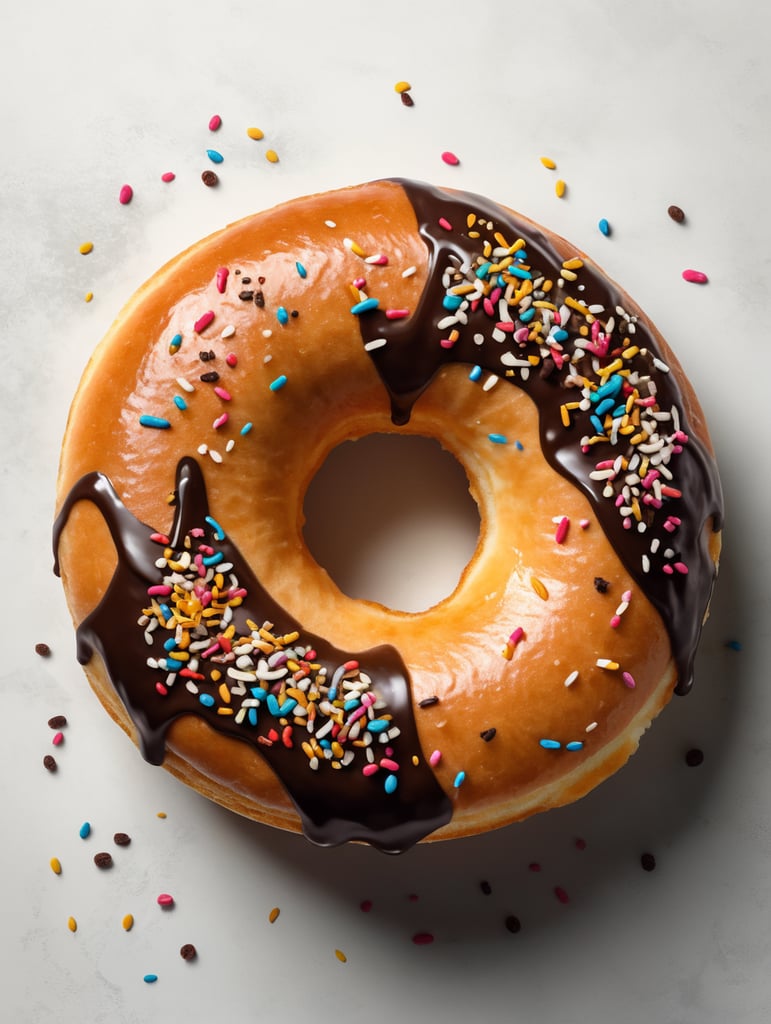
188	951
121	839
57	722
103	860
676	214
209	178
43	650
49	762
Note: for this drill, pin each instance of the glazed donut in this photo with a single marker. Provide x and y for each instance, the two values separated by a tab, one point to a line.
228	654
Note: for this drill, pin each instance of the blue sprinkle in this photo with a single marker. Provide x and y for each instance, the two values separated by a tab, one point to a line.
351	705
604	227
378	725
150	978
620	410
459	779
605	406
476	373
246	428
214	559
166	611
301	269
85	830
180	402
207	700
278	383
550	744
498	438
282	316
214	156
170	644
528	315
560	335
154	421
252	716
597	424
519	446
574	745
390	784
484	270
258	693
612	386
452	302
520	272
365	306
733	645
272	703
176	341
288	706
219	533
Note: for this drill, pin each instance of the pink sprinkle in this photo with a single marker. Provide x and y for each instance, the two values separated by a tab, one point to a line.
444	223
126	194
58	738
379	260
695	276
615	622
388	764
396	314
220	421
628	680
562	530
370	769
168	176
435	758
447	343
516	636
583	523
561	895
222	393
203	321
360	282
231	359
164	900
521	334
161	689
214	123
159	538
159	590
681	568
534	866
222	279
423	938
450	158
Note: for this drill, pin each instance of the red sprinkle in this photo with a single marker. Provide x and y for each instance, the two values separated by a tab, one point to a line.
203	321
366	906
450	158
168	176
160	538
222	279
231	359
126	194
562	530
444	223
214	123
164	900
58	739
695	276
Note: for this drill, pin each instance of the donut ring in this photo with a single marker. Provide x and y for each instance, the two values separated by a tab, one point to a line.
218	644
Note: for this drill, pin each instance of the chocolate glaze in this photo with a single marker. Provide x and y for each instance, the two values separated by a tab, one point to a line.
412	356
337	806
334	806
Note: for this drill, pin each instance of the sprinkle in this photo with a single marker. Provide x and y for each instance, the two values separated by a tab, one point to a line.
273	915
165	900
150	979
215	156
168	176
121	839
604	227
444	223
548	163
203	321
271	156
606	663
246	428
409	271
49	763
396	314
676	213
103	860
513	924
72	924
215	122
539	588
126	195
210	179
648	862
695	276
365	306
733	645
188	951
56	865
58	721
221	277
88	296
450	158
562	530
301	270
694	757
569	680
58	739
341	956
86	248
278	383
488	734
550	744
128	922
255	133
85	830
407	100
574	745
158	422
422	938
174	344
561	894
282	315
560	188
459	779
402	87
498	438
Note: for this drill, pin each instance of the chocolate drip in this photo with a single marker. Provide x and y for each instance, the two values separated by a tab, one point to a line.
412	356
334	806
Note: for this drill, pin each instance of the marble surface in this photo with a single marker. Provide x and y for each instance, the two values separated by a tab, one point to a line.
641	105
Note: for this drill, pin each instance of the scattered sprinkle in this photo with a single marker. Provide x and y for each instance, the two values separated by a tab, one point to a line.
168	176
125	195
86	248
273	915
215	122
450	158
255	133
561	894
676	213
402	86
210	178
157	422
165	900
539	588
513	924
161	814
150	979
733	645
694	757
488	734
271	156
695	276
58	739
203	321
88	296
72	924
459	779
569	680
560	188
127	923
604	227
548	163
56	865
648	862
49	763
407	99
103	860
43	650
498	438
215	156
422	938
341	956
562	530
188	951
85	830
278	383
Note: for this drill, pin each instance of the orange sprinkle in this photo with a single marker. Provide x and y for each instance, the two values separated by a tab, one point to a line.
402	87
341	956
72	924
539	588
273	915
86	248
128	922
56	865
548	163
272	156
255	133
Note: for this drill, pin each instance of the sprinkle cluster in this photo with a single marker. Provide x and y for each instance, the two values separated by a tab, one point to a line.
270	683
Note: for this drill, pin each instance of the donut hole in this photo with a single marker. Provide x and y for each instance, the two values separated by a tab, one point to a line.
391	519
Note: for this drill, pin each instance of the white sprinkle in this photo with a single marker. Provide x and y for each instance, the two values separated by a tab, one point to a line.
591	727
372	345
409	271
571	678
479	339
228	332
203	449
330	224
267	333
185	384
230	445
490	383
215	455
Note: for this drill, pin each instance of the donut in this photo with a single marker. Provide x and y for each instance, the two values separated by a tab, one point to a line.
227	654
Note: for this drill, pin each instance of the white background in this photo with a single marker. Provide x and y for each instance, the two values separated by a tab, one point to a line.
641	105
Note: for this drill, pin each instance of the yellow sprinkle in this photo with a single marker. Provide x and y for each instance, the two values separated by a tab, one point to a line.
272	156
216	675
56	865
402	87
224	693
613	367
569	275
255	133
86	248
273	915
128	922
507	651
611	666
565	415
631	352
354	248
579	307
72	924
548	163
573	264
89	296
560	188
539	588
341	956
471	219
161	814
415	760
473	234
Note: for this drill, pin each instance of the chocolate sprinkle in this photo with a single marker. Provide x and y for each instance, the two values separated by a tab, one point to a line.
43	650
49	762
210	179
57	722
601	585
407	100
486	888
676	214
428	702
121	839
211	377
488	734
513	924
103	860
259	299
188	951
